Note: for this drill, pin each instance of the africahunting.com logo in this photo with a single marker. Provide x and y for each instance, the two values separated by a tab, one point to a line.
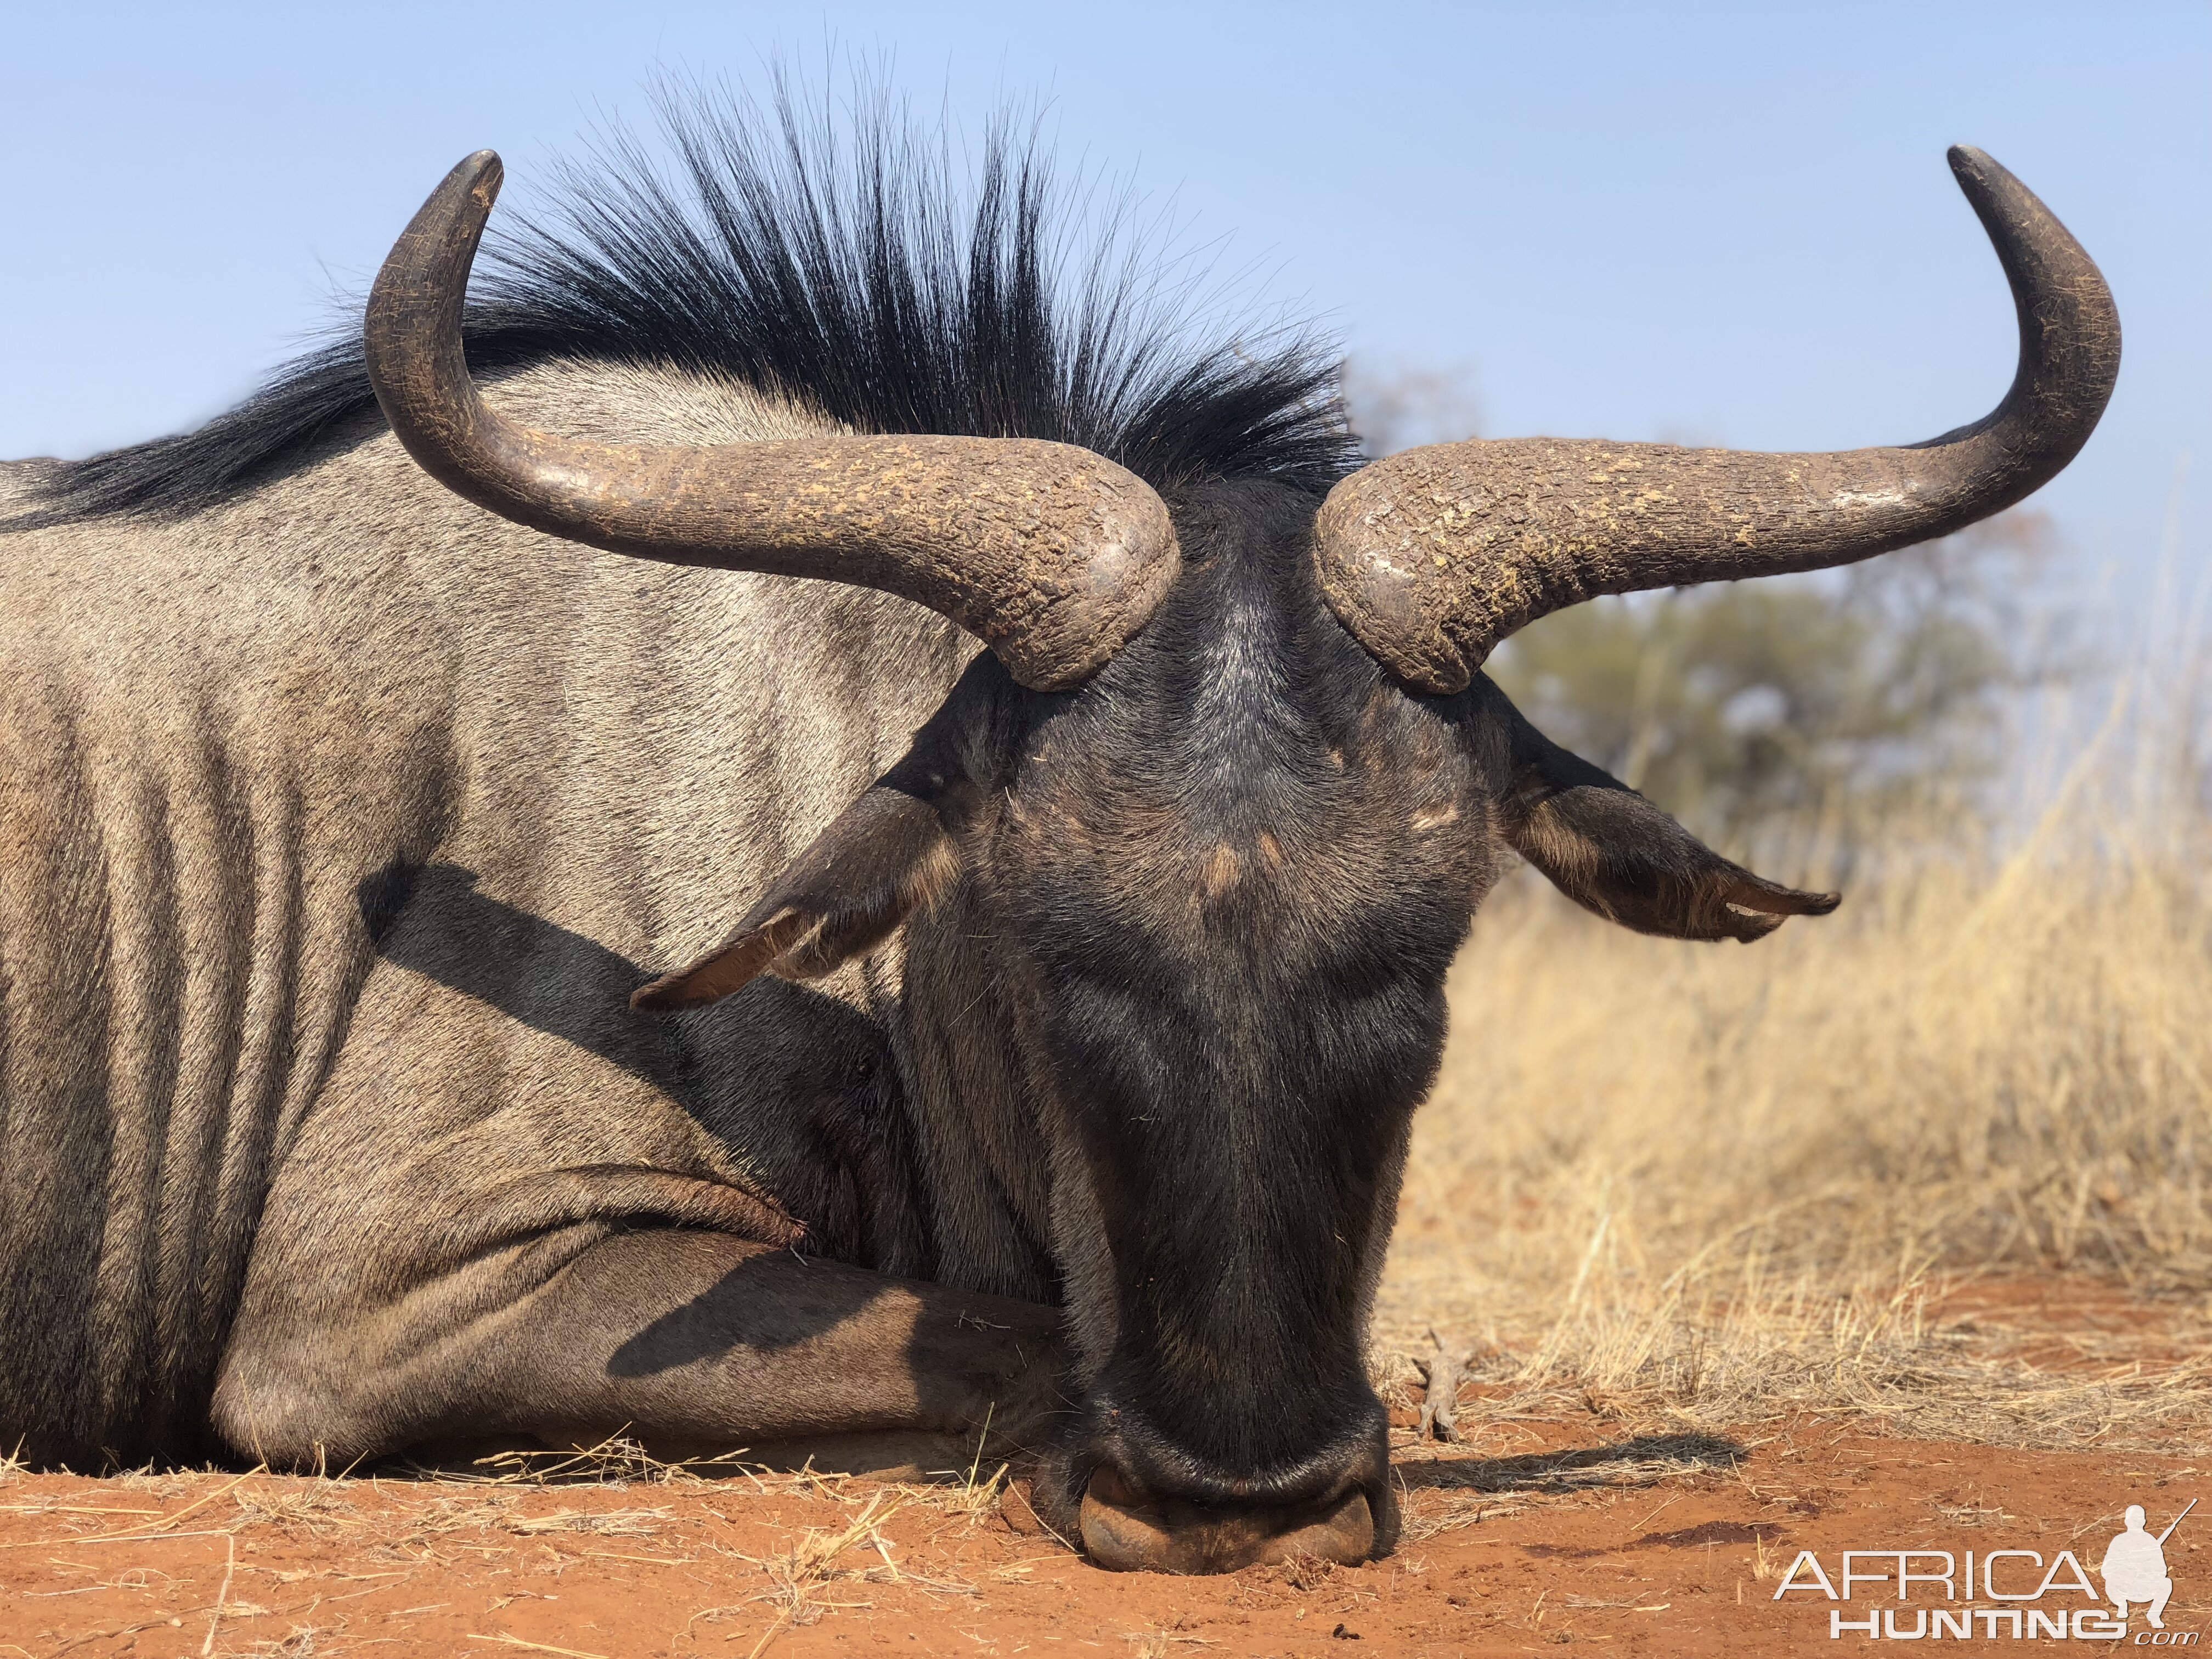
2029	1599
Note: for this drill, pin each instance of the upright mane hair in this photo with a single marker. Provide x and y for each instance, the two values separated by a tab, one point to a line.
847	275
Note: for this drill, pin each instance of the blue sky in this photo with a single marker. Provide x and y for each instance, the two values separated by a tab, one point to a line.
1712	224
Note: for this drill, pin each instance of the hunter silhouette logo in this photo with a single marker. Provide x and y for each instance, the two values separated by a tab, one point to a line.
1996	1593
2134	1567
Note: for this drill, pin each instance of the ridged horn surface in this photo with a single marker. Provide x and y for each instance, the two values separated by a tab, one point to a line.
1432	556
1050	554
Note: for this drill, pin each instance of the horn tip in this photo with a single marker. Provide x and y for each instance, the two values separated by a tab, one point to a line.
479	175
1972	166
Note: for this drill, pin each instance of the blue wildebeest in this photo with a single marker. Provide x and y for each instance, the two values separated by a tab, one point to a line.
1094	757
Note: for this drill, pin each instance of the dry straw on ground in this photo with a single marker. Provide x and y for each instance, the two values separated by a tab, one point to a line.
1709	1182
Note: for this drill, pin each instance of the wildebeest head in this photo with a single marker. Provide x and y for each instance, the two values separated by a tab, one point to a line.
1205	827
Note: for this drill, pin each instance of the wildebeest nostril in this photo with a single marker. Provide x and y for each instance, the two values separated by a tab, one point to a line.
1129	1533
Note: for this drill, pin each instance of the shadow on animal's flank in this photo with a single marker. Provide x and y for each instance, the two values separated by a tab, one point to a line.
740	1301
432	919
814	1071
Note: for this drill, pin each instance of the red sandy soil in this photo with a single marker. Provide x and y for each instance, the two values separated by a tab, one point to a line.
1541	1536
1688	1566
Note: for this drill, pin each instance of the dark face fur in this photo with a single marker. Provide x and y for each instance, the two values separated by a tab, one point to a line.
1226	879
1195	917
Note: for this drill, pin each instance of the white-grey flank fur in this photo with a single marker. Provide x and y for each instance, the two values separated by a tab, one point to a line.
214	731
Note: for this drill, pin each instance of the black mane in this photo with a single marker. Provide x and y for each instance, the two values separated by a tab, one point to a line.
854	282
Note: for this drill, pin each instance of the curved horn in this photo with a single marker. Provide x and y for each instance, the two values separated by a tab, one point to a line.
1432	556
1052	554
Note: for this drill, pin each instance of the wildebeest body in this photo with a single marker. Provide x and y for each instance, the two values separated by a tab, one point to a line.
334	822
1061	1061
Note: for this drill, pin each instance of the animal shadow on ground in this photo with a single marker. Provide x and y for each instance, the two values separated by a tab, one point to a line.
1621	1463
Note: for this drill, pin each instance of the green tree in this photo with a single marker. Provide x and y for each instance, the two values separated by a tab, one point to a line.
1853	692
1747	709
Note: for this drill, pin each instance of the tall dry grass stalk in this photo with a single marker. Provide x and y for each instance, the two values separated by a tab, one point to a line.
1710	1180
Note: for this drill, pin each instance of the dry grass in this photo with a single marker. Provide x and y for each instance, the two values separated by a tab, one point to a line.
618	1460
528	1514
1444	1491
1700	1184
967	1496
828	1570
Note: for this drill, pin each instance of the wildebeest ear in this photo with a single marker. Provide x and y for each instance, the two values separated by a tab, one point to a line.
886	853
1612	852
